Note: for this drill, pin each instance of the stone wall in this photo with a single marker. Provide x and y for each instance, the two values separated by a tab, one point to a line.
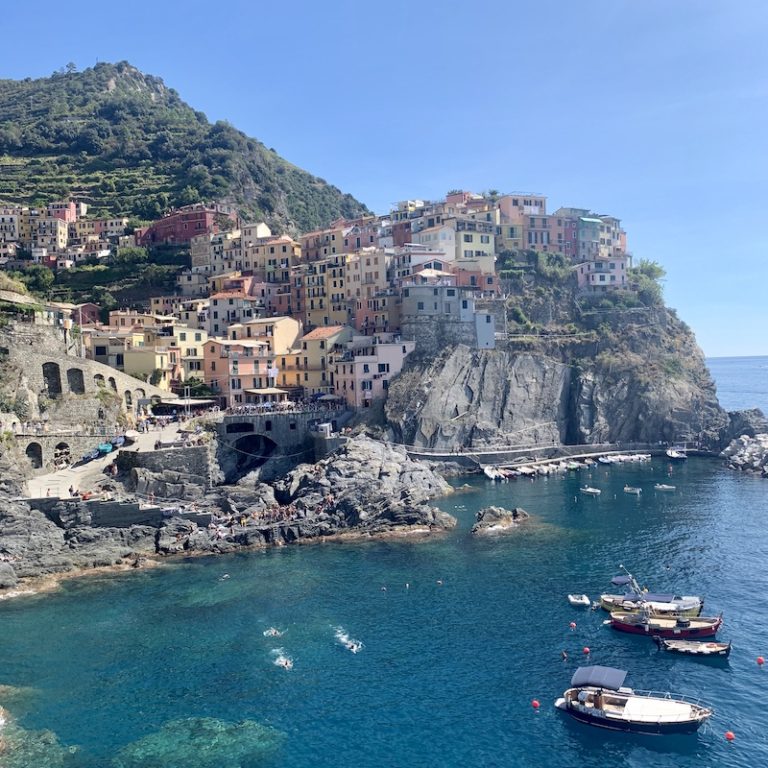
434	334
64	389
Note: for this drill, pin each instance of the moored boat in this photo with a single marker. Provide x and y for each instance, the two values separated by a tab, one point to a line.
589	491
672	627
597	697
637	600
704	648
631	489
663	487
579	600
676	454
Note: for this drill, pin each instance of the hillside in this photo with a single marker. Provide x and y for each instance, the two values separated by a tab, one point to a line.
127	144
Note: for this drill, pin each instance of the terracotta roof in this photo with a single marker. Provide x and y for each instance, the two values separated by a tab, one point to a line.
324	333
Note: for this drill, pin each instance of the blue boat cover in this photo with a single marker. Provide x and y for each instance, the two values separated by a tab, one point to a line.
620	581
600	677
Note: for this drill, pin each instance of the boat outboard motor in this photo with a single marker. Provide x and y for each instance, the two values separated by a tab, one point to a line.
682	622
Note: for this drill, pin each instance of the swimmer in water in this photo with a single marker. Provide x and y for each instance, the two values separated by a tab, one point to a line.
283	662
272	632
440	582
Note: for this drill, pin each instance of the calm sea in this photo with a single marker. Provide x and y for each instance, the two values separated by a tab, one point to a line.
742	382
466	634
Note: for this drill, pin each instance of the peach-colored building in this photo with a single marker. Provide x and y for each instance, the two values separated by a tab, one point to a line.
231	367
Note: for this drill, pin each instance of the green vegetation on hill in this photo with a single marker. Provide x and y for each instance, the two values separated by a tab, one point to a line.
128	145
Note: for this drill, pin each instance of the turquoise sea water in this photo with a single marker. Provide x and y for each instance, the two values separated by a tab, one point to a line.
448	670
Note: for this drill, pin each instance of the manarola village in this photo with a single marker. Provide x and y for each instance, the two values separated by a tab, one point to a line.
456	459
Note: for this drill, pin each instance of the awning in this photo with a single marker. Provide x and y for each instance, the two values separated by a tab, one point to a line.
266	391
599	677
329	397
185	401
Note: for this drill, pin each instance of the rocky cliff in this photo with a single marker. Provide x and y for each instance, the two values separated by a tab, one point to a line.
629	380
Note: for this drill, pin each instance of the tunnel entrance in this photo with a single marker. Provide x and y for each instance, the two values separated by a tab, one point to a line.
251	452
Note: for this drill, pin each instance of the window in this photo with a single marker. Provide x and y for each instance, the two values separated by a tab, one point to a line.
485	238
451	292
488	319
198	337
467	238
182	337
213	365
464	304
383	367
366	368
420	305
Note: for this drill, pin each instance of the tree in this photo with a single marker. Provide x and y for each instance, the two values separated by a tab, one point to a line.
37	278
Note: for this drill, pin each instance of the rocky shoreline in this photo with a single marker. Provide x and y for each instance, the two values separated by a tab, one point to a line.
748	454
366	490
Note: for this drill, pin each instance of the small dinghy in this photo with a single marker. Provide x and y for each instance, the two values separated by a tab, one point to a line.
579	600
590	491
631	489
694	647
663	487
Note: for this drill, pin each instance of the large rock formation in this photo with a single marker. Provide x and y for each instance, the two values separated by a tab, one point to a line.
638	382
494	520
748	454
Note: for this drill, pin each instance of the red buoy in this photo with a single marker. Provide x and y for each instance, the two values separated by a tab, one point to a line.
730	735
585	650
760	660
572	625
535	704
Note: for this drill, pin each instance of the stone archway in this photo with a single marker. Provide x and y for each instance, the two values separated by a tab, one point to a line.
75	381
62	456
98	380
113	383
252	451
34	453
128	398
52	379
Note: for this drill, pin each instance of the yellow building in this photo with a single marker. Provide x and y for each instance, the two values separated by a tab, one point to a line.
308	365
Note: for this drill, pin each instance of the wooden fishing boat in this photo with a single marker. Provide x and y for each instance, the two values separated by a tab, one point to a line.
597	697
659	603
703	648
671	627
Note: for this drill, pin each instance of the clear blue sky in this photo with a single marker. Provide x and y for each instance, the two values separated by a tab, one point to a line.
651	110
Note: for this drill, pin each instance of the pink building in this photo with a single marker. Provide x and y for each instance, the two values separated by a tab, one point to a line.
364	366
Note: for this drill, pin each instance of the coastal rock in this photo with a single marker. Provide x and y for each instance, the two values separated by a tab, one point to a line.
368	486
8	577
748	454
202	742
493	520
639	382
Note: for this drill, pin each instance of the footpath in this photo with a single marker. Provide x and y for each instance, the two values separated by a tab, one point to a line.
86	477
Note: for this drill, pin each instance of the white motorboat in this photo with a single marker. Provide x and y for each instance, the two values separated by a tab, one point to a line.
663	487
597	696
632	490
590	491
579	600
676	454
